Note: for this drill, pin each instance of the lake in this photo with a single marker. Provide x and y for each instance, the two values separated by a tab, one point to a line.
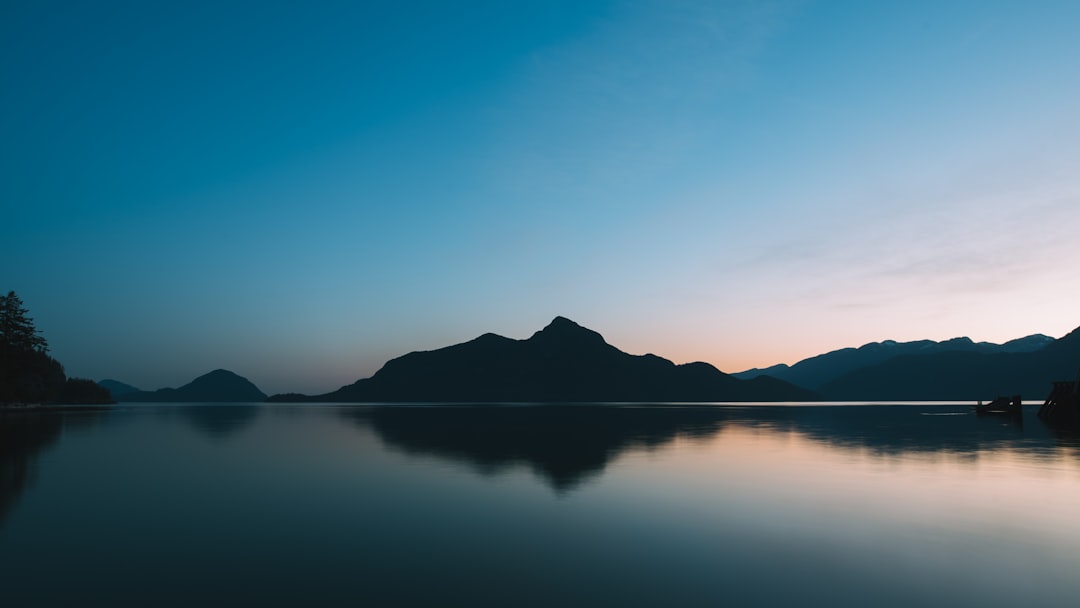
614	505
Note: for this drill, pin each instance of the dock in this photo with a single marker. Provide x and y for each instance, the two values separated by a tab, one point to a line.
1062	406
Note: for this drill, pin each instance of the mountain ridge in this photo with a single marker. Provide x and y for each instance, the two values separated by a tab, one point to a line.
220	385
815	372
962	375
115	387
563	362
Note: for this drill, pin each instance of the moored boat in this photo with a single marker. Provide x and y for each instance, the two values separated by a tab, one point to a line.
1001	406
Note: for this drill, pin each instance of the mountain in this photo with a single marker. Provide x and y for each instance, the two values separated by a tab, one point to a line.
217	386
117	388
815	372
563	362
962	375
1027	344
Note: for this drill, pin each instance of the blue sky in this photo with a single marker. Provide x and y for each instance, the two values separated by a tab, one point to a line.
299	193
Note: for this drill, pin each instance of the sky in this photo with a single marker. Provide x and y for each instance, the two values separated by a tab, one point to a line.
299	192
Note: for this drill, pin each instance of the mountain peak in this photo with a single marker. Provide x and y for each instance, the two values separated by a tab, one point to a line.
562	329
562	323
219	374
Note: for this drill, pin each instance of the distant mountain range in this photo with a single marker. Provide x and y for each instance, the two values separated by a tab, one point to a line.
117	388
217	386
563	362
957	369
816	372
956	375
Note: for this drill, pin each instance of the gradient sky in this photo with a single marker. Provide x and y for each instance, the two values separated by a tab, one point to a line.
300	191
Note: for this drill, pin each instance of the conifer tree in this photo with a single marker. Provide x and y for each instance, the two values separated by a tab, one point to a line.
17	331
27	373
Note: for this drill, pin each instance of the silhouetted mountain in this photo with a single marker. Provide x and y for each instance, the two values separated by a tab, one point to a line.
959	375
561	363
117	388
1027	344
219	385
815	372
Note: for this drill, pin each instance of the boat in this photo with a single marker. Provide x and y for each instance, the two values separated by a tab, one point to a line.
1002	406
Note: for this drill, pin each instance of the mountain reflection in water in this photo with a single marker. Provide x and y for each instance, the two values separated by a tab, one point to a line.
221	420
566	445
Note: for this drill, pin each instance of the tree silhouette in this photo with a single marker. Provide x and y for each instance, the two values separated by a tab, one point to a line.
17	329
27	373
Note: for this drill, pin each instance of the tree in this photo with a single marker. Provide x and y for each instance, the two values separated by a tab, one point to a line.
27	373
81	390
17	331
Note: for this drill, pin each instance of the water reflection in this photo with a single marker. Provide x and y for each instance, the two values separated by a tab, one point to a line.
895	429
24	436
564	445
569	445
220	421
762	506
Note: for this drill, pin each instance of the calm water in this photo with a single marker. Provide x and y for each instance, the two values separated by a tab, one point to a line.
509	506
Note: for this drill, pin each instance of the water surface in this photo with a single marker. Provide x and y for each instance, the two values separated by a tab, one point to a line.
536	505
